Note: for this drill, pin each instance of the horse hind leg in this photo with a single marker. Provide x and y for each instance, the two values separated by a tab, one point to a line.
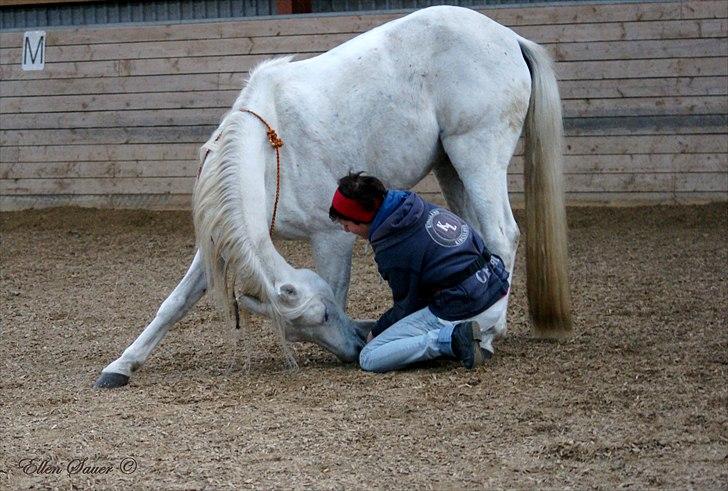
451	186
187	293
475	186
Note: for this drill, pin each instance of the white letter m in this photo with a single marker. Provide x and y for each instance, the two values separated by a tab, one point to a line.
34	50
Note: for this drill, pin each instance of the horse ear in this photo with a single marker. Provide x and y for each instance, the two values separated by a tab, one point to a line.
288	293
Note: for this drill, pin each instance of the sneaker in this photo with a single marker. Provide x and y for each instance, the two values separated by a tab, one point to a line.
466	345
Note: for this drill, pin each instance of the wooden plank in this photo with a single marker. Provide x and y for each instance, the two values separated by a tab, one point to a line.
598	164
337	23
698	183
615	199
619	69
129	68
107	136
704	10
645	106
91	108
114	119
643	87
625	145
132	201
117	185
694	144
639	50
570	13
644	198
70	153
145	168
9	154
218	99
706	124
589	182
633	182
199	133
105	85
575	145
649	163
621	31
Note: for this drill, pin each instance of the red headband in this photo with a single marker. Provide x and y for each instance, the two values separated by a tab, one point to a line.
350	209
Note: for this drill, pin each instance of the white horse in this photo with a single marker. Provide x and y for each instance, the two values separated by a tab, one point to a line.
444	89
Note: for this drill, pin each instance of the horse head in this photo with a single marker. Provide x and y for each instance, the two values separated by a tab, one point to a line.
305	307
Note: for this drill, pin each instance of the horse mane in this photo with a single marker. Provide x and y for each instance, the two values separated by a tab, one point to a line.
229	255
229	252
256	77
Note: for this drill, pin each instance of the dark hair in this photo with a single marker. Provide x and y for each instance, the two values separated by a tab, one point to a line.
368	191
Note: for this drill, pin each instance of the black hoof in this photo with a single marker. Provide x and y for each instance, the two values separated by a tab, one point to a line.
109	380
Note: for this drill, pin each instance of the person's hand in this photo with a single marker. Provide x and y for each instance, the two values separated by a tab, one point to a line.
370	336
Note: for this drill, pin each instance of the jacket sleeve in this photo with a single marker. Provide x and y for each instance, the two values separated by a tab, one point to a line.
405	296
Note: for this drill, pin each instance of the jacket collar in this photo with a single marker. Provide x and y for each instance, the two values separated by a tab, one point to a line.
399	211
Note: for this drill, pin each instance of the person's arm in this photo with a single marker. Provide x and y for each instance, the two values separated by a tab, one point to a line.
405	296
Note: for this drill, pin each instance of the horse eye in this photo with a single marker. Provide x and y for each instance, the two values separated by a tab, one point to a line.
326	315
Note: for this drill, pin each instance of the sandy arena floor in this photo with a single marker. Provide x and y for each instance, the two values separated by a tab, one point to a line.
636	398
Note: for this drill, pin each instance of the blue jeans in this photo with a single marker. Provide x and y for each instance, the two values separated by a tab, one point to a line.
421	336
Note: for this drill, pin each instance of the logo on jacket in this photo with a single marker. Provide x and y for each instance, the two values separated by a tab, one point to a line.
446	229
482	275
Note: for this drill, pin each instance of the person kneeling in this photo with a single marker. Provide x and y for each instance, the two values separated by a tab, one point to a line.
448	290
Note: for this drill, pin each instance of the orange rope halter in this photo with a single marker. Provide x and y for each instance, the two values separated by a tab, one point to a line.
276	143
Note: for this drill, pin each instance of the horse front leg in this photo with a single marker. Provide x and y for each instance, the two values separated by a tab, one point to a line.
332	255
179	302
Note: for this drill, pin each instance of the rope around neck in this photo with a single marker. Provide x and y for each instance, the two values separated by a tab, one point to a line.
276	143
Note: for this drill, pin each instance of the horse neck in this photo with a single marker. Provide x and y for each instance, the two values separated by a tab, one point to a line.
233	205
258	163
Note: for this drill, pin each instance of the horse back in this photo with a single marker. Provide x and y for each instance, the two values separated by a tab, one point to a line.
383	100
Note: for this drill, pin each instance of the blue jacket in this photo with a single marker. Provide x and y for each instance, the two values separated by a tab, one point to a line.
417	246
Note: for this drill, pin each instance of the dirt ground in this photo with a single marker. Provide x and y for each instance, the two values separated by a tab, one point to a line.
636	398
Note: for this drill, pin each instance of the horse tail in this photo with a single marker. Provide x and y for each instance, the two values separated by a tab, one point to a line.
218	215
547	280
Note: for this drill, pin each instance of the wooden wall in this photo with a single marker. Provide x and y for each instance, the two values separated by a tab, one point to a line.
118	114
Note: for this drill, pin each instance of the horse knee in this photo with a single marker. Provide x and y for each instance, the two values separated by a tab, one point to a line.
508	244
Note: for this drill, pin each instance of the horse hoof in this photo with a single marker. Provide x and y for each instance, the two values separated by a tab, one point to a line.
110	380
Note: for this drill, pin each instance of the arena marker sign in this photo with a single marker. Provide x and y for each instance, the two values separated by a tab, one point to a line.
34	50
